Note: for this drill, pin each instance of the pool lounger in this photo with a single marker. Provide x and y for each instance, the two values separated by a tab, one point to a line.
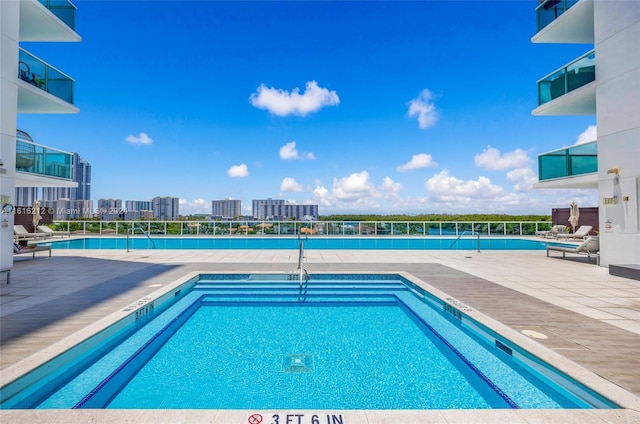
17	250
590	247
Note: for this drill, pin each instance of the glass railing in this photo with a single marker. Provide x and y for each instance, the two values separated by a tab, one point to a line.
549	10
572	161
580	72
33	158
309	228
44	76
63	9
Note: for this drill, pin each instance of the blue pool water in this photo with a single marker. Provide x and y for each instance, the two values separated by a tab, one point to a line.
395	243
343	342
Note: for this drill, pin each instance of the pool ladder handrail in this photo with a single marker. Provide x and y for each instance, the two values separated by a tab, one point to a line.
304	275
133	230
471	232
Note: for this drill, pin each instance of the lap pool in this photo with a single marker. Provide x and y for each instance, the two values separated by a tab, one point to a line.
375	243
265	341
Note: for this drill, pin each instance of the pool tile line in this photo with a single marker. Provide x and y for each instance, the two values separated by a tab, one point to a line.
462	357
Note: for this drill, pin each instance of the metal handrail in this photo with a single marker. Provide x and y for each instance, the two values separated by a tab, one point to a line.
301	271
467	232
132	231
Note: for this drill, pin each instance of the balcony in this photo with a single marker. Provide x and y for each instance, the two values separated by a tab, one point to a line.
47	20
564	21
570	90
571	167
35	160
37	78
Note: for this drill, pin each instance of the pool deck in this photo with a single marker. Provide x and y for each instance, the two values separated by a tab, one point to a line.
588	316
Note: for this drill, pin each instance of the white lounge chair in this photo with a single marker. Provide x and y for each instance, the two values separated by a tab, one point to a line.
20	250
21	233
46	230
555	230
590	247
580	233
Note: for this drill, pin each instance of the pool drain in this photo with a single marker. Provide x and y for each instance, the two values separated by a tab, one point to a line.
300	363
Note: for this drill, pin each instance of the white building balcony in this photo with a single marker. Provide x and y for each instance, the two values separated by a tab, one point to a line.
41	166
565	21
43	88
47	20
570	167
570	90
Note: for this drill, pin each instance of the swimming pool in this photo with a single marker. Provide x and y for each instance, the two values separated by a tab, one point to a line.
377	243
259	341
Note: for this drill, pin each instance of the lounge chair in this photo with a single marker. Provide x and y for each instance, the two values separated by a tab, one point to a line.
580	233
590	246
555	230
21	233
46	230
20	250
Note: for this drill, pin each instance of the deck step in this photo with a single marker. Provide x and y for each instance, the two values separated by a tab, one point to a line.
626	270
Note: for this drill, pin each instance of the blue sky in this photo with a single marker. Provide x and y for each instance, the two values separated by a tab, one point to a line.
360	107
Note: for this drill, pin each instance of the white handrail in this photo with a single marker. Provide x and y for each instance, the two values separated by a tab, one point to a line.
132	230
469	232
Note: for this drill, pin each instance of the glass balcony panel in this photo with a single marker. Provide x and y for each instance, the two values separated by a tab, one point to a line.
36	159
580	72
552	166
63	9
550	10
572	161
552	87
583	164
44	76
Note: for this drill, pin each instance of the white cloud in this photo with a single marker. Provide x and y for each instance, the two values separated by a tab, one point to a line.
523	179
290	184
282	103
289	152
421	160
590	134
492	160
424	109
443	187
194	207
238	171
322	197
143	139
390	189
353	187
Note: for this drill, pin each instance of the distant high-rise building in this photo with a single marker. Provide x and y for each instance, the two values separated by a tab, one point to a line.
110	206
25	196
81	174
138	215
266	209
227	208
138	205
166	208
279	209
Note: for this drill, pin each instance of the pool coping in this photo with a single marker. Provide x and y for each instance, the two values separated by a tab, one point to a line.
626	400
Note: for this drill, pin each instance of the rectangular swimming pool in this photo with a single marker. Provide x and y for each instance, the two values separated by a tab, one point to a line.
263	341
237	242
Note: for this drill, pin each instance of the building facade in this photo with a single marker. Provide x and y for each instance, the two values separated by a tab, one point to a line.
265	209
226	209
31	85
276	209
604	82
110	206
138	205
166	208
80	174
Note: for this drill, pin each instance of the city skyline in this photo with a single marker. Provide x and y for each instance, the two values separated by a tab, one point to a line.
357	107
